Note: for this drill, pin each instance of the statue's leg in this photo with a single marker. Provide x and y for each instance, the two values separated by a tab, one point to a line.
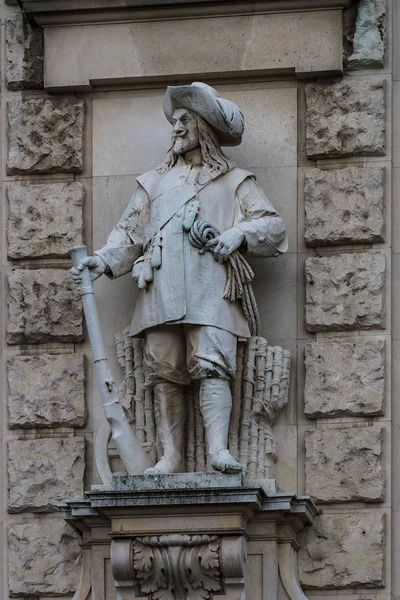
216	405
165	366
211	359
170	414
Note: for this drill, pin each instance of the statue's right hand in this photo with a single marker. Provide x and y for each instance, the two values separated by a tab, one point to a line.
95	264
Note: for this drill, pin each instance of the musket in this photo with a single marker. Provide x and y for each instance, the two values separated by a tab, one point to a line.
132	454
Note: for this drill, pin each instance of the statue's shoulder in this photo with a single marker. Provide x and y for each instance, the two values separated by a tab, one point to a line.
236	176
149	179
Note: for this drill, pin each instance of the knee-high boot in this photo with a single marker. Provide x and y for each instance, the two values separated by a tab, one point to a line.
216	405
170	413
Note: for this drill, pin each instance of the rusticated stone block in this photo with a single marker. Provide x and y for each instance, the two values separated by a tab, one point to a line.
44	306
46	390
344	378
368	42
344	206
345	119
343	551
345	465
345	292
45	136
44	558
44	472
24	53
44	220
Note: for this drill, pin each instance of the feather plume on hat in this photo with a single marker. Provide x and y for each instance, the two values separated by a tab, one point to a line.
222	115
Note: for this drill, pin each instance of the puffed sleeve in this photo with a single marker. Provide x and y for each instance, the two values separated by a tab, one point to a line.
262	225
125	243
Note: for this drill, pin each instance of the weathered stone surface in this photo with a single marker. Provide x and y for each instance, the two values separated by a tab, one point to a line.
349	28
45	135
24	53
369	39
44	558
345	465
344	206
44	220
44	306
345	292
344	378
345	119
46	390
44	472
343	551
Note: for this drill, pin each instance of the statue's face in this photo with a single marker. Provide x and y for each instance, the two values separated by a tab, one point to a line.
185	132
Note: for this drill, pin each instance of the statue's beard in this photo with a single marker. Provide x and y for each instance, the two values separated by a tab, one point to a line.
182	145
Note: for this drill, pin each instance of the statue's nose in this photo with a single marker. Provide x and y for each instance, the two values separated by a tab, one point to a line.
179	128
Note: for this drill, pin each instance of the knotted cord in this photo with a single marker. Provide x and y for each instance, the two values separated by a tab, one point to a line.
239	274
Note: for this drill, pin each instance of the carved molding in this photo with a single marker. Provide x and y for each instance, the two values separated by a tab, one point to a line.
69	12
177	566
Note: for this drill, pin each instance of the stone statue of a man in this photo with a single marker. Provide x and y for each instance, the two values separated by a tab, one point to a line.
190	330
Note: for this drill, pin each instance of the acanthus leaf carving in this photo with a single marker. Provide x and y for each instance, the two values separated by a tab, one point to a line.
169	567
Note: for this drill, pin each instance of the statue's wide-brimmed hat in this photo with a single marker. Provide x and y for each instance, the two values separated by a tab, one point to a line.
222	115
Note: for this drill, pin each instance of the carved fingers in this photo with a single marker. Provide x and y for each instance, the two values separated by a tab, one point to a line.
95	264
225	244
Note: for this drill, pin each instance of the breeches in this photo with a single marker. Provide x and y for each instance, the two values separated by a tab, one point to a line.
184	353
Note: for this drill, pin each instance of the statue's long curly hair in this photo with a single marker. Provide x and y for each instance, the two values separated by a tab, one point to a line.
216	162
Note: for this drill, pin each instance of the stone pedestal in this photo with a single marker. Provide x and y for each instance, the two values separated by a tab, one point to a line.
189	536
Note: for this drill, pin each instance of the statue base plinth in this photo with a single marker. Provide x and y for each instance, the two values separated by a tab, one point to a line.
189	536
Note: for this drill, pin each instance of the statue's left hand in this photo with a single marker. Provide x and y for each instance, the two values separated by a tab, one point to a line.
226	243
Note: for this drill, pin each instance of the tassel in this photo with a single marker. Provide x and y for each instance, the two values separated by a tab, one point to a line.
156	254
148	271
190	218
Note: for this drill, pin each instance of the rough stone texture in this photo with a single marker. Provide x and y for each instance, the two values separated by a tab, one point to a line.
343	551
44	472
349	28
344	378
344	206
369	39
345	465
46	390
44	220
44	306
345	292
44	558
24	53
345	119
45	136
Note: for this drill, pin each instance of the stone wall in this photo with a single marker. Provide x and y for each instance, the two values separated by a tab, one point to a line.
323	151
46	434
345	413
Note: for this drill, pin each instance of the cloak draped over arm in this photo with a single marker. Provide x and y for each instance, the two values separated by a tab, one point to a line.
262	225
125	243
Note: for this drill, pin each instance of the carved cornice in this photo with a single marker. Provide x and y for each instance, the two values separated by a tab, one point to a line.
78	12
